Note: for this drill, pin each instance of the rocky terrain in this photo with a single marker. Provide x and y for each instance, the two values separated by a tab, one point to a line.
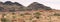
35	12
10	6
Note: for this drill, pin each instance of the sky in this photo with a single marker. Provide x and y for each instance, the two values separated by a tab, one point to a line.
54	4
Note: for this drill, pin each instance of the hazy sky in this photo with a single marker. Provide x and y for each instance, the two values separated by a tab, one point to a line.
55	4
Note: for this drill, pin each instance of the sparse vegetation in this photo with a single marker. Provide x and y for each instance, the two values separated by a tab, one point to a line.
12	9
21	14
27	14
34	21
56	14
48	8
37	14
14	17
13	13
5	20
21	9
3	15
1	8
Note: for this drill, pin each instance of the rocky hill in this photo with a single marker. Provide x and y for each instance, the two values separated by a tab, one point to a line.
10	6
38	6
15	6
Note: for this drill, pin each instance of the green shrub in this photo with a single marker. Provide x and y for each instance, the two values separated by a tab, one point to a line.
4	20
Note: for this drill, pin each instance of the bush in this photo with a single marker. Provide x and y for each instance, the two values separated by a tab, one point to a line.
21	14
56	14
4	20
37	14
14	17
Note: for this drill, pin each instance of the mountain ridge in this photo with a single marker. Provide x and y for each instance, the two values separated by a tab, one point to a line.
18	7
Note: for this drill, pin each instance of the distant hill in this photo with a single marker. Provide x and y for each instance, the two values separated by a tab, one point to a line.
12	7
38	6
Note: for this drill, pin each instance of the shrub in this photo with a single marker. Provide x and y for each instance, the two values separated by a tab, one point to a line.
21	14
56	14
4	20
37	14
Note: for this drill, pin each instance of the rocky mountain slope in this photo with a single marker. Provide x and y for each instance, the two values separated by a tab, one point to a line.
15	6
38	6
